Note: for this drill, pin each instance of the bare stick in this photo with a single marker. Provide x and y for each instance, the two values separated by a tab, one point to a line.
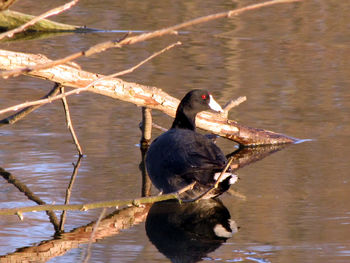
231	104
84	207
223	171
92	236
127	71
105	204
146	129
49	13
70	124
206	193
159	127
24	112
146	125
146	36
43	101
68	192
77	91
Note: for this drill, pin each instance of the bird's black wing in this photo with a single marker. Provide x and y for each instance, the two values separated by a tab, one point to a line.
202	158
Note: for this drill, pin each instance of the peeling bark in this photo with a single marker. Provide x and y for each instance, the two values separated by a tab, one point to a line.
140	95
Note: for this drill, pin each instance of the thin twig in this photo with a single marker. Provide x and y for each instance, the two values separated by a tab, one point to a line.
77	91
206	193
105	204
49	13
223	172
159	127
146	36
146	125
146	129
68	192
127	71
70	124
44	101
92	236
231	104
51	64
24	112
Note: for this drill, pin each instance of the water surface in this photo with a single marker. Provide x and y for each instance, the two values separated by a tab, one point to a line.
292	63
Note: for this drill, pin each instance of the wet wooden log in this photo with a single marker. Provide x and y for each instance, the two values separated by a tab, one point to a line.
12	19
140	95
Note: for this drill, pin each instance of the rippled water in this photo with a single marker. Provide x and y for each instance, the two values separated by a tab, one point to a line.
292	63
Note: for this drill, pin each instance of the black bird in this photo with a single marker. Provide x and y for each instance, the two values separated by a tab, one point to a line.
181	156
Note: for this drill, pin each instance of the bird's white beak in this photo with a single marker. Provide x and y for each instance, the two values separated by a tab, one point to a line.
214	105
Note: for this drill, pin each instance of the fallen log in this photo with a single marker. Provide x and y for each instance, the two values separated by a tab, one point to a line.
12	19
72	76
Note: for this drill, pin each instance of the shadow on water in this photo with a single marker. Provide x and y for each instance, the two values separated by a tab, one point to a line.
181	231
187	232
36	35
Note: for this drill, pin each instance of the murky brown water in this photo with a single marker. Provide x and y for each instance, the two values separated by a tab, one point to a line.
292	61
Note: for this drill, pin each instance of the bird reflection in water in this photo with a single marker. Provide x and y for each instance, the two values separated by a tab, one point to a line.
187	232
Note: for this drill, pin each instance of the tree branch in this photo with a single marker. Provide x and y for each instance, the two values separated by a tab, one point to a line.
69	123
24	112
146	129
135	39
231	104
49	99
11	179
138	94
84	207
51	12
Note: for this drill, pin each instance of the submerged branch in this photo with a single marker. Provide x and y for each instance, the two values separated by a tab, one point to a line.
11	179
28	109
111	225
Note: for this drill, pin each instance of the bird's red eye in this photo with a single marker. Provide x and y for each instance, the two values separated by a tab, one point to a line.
204	96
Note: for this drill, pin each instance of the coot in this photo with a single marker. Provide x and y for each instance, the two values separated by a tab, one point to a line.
181	156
